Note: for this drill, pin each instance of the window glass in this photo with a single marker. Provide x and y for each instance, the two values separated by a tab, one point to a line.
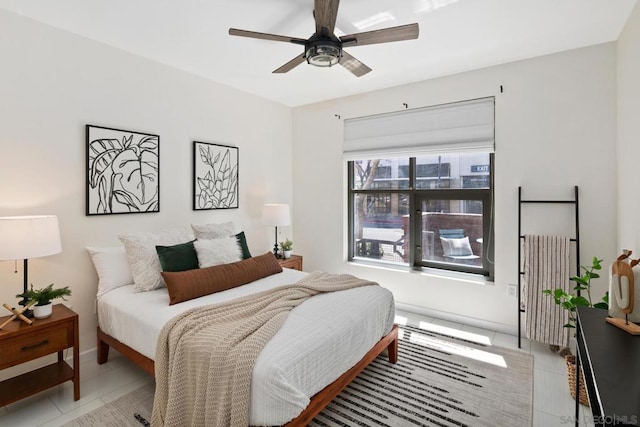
381	174
441	201
453	171
381	226
450	234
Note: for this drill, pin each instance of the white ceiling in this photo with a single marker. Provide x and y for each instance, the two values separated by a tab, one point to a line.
455	36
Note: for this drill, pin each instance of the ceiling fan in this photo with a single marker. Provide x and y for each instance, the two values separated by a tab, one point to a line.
324	48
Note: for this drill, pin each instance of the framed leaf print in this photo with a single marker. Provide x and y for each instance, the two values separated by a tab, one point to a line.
215	176
123	170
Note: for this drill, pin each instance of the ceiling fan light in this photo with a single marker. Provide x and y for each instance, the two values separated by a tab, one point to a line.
323	55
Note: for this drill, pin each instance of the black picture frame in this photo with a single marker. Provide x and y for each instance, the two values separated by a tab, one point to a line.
215	176
123	171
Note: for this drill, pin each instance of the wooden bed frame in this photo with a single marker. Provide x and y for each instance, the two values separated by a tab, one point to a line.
317	403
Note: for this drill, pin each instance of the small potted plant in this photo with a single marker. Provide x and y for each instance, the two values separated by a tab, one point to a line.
286	247
571	302
42	299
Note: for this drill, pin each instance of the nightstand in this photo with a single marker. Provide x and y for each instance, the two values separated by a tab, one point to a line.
294	262
20	343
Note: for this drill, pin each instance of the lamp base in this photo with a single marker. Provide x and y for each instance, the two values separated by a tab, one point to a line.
276	253
28	313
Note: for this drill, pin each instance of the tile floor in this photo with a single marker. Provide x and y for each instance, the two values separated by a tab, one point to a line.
552	403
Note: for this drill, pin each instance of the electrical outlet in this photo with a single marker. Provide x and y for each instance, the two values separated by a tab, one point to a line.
512	290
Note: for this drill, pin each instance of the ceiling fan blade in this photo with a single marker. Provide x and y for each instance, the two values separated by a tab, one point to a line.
325	12
393	34
291	64
353	65
266	36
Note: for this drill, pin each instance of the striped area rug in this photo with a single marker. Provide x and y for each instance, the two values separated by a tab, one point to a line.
443	378
439	380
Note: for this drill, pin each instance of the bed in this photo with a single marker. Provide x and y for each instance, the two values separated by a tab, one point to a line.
324	343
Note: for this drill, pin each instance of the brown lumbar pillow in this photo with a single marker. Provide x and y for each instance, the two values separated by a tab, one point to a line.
186	285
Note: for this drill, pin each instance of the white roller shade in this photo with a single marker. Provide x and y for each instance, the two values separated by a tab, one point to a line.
466	126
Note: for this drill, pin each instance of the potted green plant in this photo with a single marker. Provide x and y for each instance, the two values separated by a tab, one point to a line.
287	247
571	302
42	299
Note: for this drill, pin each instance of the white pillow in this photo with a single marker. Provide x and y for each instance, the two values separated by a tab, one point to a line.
143	258
217	251
214	231
456	247
112	267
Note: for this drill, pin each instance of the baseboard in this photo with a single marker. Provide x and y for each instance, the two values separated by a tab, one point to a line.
85	356
478	323
91	354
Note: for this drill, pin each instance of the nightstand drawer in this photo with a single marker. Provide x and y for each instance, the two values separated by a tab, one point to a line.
33	345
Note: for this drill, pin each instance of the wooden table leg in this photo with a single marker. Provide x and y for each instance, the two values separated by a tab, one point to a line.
76	361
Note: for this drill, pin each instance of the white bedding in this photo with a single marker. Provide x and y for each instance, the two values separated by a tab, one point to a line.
321	339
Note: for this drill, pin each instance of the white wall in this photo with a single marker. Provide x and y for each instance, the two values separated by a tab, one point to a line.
555	128
52	83
629	134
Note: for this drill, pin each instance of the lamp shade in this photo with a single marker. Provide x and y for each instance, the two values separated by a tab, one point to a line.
24	237
276	214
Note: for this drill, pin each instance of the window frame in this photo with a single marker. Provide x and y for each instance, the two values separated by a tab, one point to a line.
416	196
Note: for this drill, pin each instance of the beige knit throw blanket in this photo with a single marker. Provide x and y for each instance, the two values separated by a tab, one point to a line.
205	356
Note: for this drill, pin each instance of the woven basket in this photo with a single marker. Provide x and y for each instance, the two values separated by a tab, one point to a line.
570	360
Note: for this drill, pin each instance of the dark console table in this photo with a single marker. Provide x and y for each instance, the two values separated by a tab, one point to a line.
610	358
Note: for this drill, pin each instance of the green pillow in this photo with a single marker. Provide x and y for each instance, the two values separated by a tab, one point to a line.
179	257
242	241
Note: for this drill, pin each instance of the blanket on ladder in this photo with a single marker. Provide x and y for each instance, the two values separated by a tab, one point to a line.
205	356
546	266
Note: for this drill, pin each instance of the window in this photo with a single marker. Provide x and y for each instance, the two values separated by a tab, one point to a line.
420	187
449	224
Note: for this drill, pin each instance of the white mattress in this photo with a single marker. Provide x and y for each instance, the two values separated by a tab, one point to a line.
321	339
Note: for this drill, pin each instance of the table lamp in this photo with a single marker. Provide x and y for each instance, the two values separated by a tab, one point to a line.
276	215
24	237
